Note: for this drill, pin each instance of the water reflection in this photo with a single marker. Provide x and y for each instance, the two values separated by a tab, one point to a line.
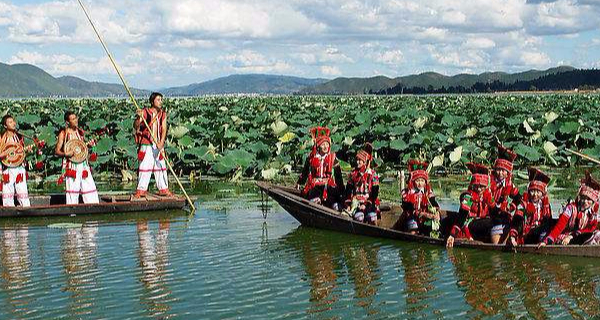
79	258
363	268
16	263
532	286
419	276
579	286
482	278
326	264
154	262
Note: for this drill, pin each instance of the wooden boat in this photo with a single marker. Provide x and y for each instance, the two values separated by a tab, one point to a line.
54	205
317	216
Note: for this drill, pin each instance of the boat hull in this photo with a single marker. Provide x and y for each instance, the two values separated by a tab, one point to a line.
48	206
317	216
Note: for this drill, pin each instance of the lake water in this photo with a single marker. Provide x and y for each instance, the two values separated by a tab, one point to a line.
228	262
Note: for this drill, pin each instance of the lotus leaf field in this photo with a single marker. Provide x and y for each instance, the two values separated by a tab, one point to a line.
264	137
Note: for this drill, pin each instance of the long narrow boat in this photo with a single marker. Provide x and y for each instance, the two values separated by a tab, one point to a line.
317	216
54	205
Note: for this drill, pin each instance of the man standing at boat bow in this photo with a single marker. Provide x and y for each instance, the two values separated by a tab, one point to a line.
150	154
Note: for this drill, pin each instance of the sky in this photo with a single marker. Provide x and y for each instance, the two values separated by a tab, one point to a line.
166	43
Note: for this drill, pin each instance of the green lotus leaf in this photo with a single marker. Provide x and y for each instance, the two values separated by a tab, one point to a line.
398	144
96	124
186	141
569	127
30	119
527	152
104	145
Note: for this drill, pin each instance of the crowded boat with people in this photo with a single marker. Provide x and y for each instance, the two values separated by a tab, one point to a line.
492	210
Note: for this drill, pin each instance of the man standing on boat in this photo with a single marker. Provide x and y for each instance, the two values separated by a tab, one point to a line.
322	174
77	174
362	189
578	222
14	178
531	222
472	220
505	194
151	155
420	210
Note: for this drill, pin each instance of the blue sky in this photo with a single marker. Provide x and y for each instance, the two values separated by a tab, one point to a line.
170	43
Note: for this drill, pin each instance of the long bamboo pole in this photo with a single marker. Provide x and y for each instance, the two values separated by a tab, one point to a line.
585	156
154	139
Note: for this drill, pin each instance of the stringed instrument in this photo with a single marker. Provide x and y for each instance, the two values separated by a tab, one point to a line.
15	152
79	150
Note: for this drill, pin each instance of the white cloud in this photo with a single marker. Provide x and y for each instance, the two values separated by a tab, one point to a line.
563	17
538	59
330	71
64	64
303	37
390	57
230	18
479	43
248	61
317	55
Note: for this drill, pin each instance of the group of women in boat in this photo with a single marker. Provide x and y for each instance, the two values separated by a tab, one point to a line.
150	135
492	209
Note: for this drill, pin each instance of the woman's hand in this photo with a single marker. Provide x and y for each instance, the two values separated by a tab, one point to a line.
450	242
566	240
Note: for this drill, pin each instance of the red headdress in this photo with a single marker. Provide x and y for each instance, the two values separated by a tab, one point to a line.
480	174
538	180
590	187
320	135
505	160
418	170
366	154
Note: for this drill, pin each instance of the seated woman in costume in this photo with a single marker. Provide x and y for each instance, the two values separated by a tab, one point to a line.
322	175
362	189
578	222
420	210
533	217
472	221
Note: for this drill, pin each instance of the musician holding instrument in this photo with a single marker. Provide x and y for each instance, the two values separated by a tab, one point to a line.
77	173
12	155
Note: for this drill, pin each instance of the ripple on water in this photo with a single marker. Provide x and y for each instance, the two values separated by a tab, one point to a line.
228	262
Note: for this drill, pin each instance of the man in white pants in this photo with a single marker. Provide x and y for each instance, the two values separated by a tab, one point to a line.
151	155
14	179
78	176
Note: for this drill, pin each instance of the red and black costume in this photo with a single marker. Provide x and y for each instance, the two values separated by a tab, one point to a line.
472	221
581	225
532	219
363	185
505	194
418	203
322	175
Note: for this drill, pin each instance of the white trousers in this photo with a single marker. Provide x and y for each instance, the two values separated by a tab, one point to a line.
11	187
86	187
152	165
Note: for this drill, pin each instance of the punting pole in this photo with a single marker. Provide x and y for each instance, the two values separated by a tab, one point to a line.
154	139
585	156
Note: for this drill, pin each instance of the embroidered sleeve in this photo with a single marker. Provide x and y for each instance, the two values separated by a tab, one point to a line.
466	202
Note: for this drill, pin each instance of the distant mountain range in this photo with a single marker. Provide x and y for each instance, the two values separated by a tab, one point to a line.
246	83
24	80
427	80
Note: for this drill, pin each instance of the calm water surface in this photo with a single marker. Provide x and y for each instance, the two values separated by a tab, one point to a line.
228	262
